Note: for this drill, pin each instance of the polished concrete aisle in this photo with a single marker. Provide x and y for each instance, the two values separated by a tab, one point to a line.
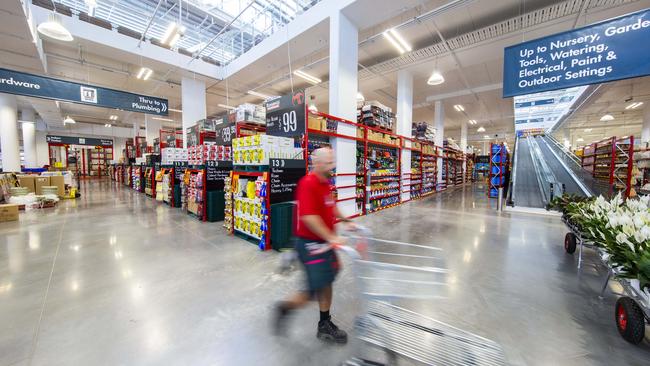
115	278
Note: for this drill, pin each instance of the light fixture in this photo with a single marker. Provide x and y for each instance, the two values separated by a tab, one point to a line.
607	117
225	106
306	76
163	119
108	125
257	94
173	33
68	119
175	110
360	97
487	137
472	121
634	105
588	129
113	117
459	108
397	41
144	73
580	139
481	129
54	29
436	78
197	47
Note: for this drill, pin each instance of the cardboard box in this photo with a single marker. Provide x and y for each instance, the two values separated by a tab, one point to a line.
57	180
28	181
313	123
40	183
8	212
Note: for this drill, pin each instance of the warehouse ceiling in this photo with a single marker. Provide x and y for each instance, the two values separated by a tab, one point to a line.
463	39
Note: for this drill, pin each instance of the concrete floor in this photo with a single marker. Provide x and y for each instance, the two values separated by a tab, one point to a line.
115	278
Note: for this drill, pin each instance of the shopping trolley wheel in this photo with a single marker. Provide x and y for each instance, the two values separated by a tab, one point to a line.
630	320
570	242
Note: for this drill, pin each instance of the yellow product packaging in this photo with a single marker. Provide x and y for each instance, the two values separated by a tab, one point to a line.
250	190
256	140
248	140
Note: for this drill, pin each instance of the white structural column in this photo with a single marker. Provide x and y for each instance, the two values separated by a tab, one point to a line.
152	127
9	134
194	105
343	88
439	123
28	119
645	129
404	122
463	144
136	129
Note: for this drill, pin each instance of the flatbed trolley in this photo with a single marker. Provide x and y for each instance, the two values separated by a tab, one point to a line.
389	271
632	309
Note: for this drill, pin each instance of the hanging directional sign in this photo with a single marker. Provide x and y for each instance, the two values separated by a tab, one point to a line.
75	140
611	50
20	83
286	115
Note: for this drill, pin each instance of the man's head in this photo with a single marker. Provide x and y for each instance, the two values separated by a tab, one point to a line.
323	161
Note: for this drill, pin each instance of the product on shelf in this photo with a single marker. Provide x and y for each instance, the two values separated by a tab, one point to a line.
375	114
423	131
611	163
169	155
195	192
250	208
258	149
228	207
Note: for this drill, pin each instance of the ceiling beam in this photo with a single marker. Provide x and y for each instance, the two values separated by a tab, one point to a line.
459	93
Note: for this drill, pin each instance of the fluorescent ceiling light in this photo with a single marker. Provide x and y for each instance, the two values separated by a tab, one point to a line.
54	29
68	119
360	97
108	125
436	78
113	117
588	129
173	33
175	110
401	40
257	94
397	41
225	106
634	105
459	107
481	129
486	137
580	139
163	119
607	117
144	73
472	121
306	76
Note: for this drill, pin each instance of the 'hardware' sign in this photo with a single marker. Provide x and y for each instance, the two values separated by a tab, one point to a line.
20	83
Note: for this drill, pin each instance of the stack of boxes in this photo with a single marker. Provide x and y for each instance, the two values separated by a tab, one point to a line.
169	155
258	149
209	151
375	114
250	113
383	138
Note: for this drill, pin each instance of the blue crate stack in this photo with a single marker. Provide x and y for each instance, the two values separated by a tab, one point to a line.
498	166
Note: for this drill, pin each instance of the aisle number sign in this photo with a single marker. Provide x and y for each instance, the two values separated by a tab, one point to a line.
286	115
611	50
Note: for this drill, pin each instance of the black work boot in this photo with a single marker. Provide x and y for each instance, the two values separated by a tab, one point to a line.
328	331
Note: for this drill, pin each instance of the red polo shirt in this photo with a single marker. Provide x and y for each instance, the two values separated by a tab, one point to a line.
314	197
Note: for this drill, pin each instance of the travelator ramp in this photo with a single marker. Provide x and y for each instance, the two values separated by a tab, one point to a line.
543	169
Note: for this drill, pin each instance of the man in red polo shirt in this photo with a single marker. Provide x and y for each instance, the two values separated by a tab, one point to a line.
316	240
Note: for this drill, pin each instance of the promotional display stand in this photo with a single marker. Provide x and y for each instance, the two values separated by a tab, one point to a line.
498	168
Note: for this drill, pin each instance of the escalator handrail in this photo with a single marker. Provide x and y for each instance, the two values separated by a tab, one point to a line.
580	176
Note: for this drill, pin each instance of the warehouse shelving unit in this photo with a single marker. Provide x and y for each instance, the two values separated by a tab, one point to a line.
611	161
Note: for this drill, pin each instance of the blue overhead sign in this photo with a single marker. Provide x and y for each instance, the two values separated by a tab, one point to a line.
611	50
20	83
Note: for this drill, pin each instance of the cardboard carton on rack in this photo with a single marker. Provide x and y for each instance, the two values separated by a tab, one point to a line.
8	212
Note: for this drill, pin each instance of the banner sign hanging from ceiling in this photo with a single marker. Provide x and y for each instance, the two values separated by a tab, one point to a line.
287	115
611	50
20	83
73	140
